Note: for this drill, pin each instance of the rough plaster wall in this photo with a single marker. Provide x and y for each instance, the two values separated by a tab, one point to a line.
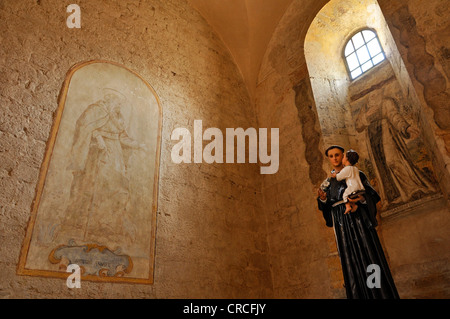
302	250
418	247
210	239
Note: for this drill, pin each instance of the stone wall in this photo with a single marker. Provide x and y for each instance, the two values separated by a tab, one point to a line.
417	239
210	239
421	34
302	250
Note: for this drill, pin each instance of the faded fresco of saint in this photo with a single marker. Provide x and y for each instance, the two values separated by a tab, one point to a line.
389	134
100	186
97	207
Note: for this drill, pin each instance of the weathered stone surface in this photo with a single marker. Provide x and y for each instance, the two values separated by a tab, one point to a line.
211	230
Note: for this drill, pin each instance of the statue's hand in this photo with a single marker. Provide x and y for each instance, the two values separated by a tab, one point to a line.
322	195
355	200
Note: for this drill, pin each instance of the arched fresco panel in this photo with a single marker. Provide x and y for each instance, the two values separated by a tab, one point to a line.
96	201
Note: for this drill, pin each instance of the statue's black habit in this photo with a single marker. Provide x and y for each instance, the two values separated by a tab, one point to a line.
358	243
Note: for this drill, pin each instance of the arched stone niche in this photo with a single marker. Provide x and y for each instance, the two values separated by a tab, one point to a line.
378	114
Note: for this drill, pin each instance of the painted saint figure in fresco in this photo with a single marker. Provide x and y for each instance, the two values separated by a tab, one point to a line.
387	130
96	200
100	187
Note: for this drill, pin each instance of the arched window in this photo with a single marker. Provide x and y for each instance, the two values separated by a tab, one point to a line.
362	52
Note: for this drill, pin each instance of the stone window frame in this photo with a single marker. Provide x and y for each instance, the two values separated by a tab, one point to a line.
375	59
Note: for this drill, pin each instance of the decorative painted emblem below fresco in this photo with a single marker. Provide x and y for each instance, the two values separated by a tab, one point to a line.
93	260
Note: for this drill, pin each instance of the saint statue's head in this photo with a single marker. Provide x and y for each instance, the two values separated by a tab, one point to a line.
335	154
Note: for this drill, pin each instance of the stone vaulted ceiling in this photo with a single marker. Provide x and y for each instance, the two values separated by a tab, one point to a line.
246	27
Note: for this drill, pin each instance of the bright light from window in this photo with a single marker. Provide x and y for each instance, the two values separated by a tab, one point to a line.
362	52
